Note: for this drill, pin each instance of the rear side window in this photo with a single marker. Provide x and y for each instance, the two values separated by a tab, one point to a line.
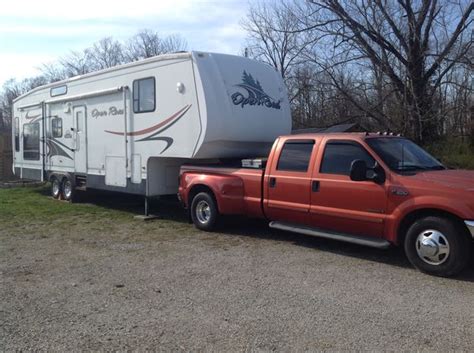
31	141
17	134
339	155
144	95
295	156
57	127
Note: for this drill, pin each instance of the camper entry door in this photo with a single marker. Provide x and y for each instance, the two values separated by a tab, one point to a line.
80	143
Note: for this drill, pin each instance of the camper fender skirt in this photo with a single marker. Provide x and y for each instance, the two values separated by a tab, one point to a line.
60	176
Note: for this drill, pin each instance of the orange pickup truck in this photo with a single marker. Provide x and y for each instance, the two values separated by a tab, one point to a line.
371	189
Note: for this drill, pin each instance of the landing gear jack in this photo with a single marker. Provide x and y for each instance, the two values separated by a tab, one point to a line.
146	216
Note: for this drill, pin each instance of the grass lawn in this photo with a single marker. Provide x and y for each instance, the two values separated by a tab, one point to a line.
34	207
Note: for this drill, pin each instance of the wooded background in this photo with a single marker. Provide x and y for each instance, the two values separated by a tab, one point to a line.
399	65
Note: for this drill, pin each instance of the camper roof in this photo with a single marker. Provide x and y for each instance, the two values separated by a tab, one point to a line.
178	55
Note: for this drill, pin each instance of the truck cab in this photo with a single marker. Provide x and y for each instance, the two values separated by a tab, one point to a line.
371	189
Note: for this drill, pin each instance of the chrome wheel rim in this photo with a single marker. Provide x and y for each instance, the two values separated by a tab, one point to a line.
432	247
67	189
55	188
203	212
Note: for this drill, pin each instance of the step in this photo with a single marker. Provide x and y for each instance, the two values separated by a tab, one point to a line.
349	238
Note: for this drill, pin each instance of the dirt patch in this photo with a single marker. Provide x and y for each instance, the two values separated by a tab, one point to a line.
88	276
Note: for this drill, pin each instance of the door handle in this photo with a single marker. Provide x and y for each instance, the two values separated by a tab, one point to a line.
315	186
273	182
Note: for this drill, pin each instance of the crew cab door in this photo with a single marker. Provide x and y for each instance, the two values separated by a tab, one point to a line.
288	181
343	205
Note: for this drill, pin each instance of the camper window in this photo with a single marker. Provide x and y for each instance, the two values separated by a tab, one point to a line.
57	127
17	134
31	141
58	91
144	95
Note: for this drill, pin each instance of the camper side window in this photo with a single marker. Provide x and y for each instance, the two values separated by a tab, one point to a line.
31	141
144	95
57	127
17	134
58	91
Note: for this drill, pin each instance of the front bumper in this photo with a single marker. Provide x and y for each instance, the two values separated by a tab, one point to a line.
470	226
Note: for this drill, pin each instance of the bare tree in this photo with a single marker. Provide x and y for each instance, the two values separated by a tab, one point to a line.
411	44
274	36
53	72
146	44
13	89
76	63
174	43
105	53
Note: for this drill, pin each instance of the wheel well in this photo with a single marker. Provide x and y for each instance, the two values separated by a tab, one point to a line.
196	189
59	177
413	216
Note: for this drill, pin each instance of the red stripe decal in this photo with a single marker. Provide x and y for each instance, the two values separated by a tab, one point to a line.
154	127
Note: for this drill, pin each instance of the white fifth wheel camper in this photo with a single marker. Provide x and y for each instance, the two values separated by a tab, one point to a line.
129	128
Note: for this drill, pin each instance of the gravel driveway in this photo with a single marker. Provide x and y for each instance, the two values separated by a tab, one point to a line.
105	284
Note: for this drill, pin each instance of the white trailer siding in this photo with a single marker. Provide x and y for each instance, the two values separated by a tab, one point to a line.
94	128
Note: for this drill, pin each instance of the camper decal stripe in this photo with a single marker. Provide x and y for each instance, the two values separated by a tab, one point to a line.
169	141
153	137
61	144
176	116
28	116
54	149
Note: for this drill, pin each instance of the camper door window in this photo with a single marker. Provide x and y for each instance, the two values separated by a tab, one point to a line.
144	95
17	134
57	127
31	141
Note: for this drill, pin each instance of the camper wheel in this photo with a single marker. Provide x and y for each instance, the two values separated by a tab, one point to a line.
67	189
55	187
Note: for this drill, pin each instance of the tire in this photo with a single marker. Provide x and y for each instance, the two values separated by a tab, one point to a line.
56	189
67	190
437	246
204	213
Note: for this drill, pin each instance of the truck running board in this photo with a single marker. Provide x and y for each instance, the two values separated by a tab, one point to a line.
361	240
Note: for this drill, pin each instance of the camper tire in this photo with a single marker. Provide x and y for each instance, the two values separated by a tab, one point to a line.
67	189
204	211
55	187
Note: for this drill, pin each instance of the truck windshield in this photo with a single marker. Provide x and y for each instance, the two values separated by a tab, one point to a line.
403	155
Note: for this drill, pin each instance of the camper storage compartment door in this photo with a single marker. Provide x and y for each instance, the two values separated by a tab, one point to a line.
115	171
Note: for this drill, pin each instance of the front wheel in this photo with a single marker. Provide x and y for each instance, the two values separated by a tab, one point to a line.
204	211
438	246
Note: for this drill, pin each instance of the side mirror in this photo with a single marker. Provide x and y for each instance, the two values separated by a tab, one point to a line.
358	170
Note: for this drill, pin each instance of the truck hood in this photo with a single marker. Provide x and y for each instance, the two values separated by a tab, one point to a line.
455	179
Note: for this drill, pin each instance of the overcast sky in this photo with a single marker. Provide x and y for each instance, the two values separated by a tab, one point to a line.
33	32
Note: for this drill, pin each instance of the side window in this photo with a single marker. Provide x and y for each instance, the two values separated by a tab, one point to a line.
57	127
295	156
339	155
58	91
17	134
144	100
31	141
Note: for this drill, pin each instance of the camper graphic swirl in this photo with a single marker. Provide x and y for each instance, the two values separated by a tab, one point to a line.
255	94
